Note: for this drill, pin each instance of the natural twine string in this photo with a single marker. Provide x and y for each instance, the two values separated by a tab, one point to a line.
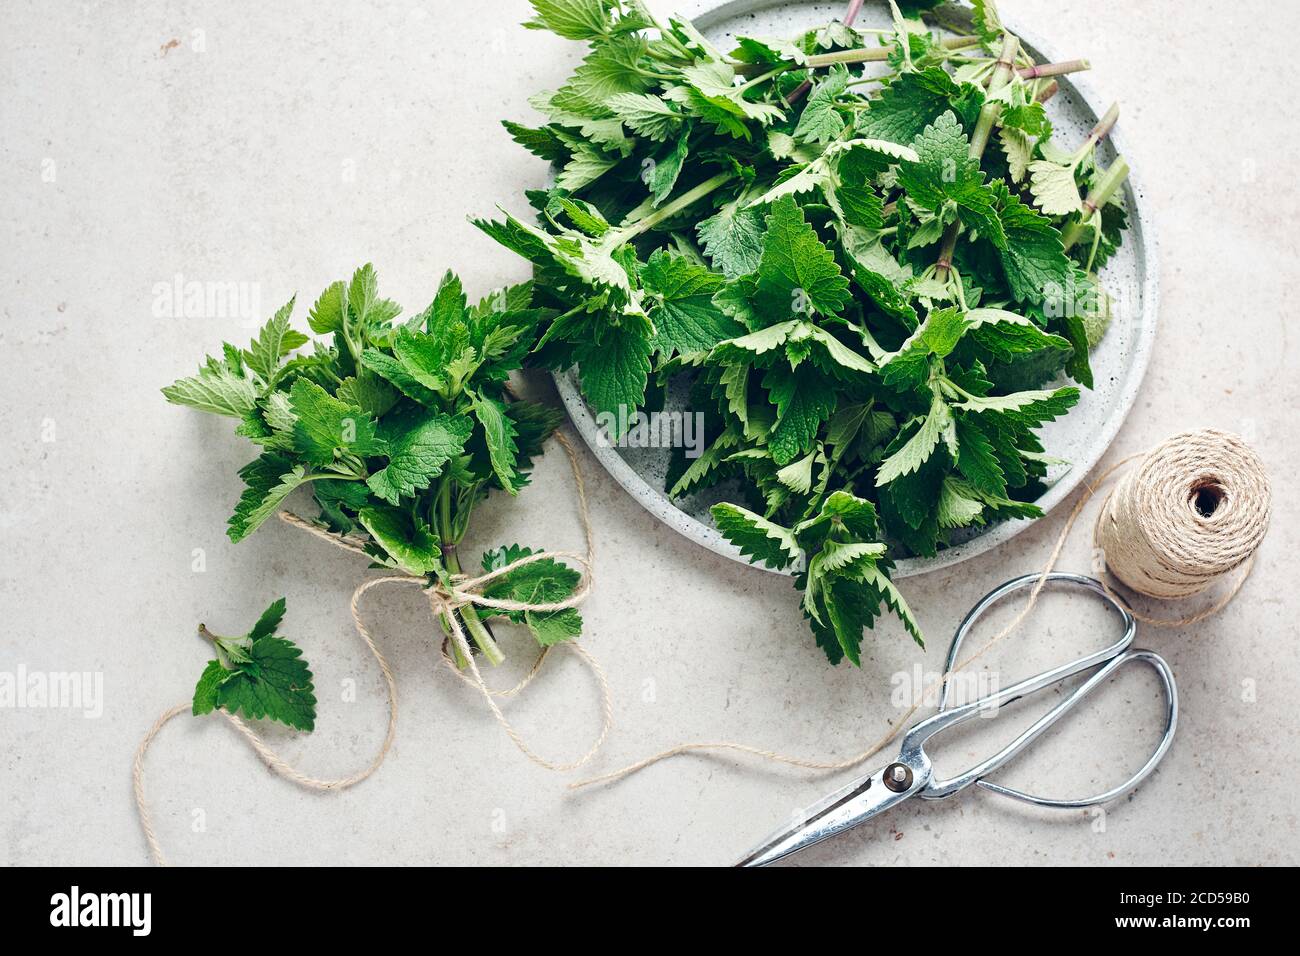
1153	533
1194	509
443	602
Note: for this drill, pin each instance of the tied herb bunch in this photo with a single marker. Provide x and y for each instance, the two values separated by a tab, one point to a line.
863	251
399	428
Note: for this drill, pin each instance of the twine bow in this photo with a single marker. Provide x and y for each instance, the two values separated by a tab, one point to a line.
444	600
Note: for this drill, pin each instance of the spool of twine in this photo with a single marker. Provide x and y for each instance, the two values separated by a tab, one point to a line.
1193	509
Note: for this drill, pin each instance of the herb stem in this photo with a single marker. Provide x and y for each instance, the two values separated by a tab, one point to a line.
469	614
874	54
1054	69
1098	197
1100	131
989	113
1048	91
761	78
992	109
618	237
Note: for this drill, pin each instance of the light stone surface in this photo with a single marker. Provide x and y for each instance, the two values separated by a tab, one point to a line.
281	145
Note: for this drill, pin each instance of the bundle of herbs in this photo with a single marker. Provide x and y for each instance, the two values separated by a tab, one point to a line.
399	428
863	250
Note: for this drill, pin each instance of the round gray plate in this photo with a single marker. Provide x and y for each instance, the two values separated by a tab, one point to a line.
1118	363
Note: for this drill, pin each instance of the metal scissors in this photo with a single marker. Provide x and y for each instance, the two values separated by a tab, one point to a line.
912	774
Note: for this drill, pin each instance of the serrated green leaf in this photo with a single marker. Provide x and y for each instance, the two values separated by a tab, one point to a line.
326	428
273	342
614	371
417	445
803	399
275	685
936	424
545	581
647	115
1034	259
756	537
796	267
571	19
406	543
679	300
269	480
499	432
216	388
205	692
663	175
1054	188
821	121
732	238
330	311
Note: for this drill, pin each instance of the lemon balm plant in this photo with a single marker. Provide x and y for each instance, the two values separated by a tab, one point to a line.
398	428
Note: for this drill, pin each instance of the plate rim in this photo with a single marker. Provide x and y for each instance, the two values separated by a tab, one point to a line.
1140	227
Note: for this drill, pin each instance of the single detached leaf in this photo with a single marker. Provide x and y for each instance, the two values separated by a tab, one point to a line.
259	675
276	684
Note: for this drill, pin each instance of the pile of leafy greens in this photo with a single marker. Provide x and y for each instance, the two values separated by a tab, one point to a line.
399	428
863	250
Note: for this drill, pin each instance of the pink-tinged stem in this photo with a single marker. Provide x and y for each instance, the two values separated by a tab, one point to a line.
1054	69
1048	91
1104	125
800	91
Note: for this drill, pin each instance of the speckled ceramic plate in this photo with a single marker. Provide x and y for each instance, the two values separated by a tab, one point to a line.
1118	362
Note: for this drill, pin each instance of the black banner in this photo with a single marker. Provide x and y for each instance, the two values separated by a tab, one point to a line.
200	905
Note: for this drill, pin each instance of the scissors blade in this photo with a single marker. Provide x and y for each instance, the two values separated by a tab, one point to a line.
842	810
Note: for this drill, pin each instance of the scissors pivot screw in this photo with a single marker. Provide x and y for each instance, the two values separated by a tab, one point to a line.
898	777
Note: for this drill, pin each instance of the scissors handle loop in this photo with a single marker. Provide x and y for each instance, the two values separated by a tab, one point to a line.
1107	661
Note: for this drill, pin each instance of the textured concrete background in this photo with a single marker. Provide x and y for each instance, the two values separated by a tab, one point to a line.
280	145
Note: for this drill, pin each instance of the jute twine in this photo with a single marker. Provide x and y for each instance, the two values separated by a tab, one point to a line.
1194	509
444	601
1153	537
